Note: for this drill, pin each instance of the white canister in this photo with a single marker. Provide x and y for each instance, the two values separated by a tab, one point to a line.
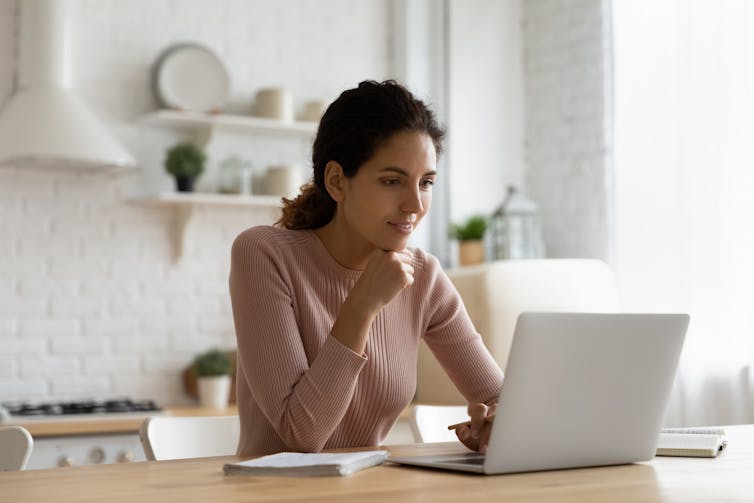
274	103
313	110
283	180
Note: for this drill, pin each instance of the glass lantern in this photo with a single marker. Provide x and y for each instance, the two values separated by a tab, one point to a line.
516	228
235	176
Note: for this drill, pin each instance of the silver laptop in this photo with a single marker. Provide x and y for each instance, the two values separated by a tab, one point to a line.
579	390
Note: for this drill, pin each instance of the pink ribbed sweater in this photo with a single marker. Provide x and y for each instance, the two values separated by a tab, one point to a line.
300	389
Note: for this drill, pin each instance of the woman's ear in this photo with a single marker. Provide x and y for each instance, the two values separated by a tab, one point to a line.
335	180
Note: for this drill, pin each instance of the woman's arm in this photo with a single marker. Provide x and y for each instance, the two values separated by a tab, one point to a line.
303	402
385	276
462	354
457	345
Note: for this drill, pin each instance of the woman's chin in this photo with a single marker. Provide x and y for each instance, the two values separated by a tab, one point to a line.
393	245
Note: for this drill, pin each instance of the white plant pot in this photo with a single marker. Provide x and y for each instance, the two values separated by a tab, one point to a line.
214	391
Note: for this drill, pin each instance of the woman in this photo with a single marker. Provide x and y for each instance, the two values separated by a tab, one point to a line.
330	308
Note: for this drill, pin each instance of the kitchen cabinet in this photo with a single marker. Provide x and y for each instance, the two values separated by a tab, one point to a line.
204	128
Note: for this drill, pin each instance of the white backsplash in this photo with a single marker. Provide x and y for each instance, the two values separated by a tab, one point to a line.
91	302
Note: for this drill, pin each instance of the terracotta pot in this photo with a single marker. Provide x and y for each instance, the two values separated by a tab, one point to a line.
471	252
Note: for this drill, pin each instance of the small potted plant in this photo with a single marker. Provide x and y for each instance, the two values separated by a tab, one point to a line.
185	162
213	369
470	236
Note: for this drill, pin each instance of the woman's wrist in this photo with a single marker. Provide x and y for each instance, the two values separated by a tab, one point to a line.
361	305
352	325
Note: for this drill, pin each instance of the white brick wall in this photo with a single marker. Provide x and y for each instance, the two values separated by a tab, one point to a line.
7	47
91	302
567	54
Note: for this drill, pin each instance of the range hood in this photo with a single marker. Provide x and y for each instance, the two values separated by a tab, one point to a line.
44	124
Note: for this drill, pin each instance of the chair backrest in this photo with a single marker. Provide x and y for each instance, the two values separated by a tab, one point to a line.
166	437
429	423
15	448
495	294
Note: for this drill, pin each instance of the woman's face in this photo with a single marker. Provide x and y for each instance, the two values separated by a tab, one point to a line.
390	194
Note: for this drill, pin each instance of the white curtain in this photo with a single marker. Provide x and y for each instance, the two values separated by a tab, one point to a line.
684	189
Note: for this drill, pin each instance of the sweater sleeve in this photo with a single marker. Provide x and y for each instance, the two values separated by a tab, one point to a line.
303	402
456	344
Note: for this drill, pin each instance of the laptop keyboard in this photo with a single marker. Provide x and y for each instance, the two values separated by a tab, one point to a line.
472	461
466	459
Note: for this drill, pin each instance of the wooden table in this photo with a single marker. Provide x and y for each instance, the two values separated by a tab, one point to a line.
730	477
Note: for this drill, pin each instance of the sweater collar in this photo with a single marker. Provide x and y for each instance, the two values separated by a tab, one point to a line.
328	261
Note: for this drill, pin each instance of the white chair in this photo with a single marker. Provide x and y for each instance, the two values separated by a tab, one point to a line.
15	448
495	294
167	437
429	423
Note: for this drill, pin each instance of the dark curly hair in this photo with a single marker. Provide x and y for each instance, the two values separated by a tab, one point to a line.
353	127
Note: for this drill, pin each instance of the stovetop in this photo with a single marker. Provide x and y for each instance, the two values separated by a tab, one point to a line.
79	410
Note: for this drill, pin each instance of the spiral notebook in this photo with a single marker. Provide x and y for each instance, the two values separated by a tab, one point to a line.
691	442
299	464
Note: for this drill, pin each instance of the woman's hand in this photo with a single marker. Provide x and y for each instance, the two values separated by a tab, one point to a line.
385	276
476	435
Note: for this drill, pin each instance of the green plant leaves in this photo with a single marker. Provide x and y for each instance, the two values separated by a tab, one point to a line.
473	228
185	160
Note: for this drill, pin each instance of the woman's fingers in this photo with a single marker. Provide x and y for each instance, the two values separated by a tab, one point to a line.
406	260
478	413
464	435
390	271
408	271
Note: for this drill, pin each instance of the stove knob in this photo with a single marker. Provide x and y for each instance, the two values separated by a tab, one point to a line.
66	461
125	457
97	455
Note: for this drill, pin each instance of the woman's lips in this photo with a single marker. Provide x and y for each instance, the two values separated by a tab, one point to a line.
402	227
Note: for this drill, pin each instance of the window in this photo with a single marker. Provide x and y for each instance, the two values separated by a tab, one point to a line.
684	187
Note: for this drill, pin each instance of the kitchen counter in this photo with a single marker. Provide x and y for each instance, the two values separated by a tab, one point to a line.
80	425
80	441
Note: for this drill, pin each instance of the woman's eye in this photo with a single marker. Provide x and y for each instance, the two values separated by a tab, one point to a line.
427	184
391	181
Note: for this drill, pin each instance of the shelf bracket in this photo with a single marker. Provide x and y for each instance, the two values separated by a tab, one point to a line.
183	217
204	135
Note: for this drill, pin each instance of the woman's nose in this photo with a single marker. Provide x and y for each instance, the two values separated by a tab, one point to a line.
413	202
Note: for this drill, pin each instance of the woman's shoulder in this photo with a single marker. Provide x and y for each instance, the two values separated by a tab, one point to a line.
425	262
267	237
260	233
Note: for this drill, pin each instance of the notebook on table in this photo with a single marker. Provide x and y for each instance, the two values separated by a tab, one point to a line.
300	464
698	442
580	390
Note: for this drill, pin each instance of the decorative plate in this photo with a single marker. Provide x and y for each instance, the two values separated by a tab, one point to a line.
190	77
